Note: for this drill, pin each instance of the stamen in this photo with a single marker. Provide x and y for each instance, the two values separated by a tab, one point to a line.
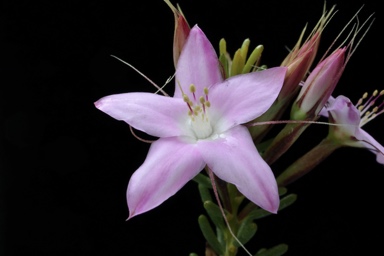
368	110
188	101
192	89
202	101
206	93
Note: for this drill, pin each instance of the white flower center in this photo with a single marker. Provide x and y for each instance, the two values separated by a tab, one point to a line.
369	110
198	113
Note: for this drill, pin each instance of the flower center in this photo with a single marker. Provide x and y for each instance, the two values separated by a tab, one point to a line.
198	113
369	110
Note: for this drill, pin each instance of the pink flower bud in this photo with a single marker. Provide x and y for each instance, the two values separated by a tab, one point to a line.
319	85
181	32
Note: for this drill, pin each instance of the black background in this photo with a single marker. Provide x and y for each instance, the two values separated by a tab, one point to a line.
65	165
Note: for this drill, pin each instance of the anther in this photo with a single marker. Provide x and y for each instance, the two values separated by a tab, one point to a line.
192	89
202	100
206	93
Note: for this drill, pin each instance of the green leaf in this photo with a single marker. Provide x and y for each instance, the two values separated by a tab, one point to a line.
277	250
203	180
287	201
209	235
205	193
282	191
253	58
246	231
215	214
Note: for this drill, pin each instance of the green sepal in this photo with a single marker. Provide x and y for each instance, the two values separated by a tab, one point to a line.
205	194
203	180
215	214
209	235
247	230
277	250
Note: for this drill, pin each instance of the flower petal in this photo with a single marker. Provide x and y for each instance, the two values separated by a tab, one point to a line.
324	111
154	114
198	64
367	141
169	165
344	112
242	98
234	158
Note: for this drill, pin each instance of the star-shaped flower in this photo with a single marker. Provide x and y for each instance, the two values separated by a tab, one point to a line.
200	125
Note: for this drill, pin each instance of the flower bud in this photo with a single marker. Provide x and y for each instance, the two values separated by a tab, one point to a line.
319	86
181	31
298	62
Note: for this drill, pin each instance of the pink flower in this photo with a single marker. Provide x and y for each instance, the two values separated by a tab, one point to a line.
351	118
200	125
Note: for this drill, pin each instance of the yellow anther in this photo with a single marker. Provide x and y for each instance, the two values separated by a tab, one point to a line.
382	92
367	113
192	88
202	100
365	95
207	104
375	92
360	108
206	90
185	98
375	109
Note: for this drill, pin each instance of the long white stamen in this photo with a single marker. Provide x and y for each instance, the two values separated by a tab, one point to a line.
149	80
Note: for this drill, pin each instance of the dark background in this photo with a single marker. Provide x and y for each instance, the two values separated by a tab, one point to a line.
64	165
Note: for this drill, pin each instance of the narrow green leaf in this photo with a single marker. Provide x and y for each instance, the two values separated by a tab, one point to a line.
203	180
282	191
253	58
209	235
215	214
277	250
246	231
205	193
225	64
237	64
287	201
